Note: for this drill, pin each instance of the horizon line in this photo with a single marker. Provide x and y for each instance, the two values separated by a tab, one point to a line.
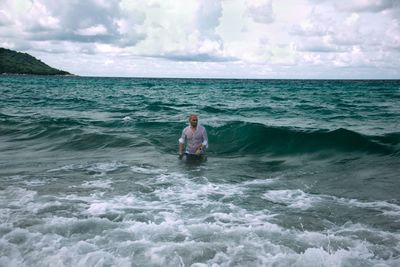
201	78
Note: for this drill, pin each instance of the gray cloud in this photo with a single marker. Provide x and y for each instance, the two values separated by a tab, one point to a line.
208	14
314	30
364	6
372	6
5	19
317	45
80	22
194	57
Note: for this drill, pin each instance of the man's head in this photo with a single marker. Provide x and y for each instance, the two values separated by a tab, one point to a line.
193	120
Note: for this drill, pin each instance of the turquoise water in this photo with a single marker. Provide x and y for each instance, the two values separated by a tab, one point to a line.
299	173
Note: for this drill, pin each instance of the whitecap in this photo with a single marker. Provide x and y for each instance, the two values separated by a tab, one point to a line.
258	182
147	170
126	119
99	208
292	198
102	168
35	182
117	204
385	207
104	184
342	257
16	196
68	167
298	199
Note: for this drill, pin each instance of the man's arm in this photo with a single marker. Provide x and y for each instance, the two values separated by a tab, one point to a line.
205	139
181	144
204	144
180	151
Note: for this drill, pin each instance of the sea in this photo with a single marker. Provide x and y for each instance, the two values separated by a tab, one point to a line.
298	172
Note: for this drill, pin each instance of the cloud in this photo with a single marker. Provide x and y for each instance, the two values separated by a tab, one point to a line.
207	16
183	36
260	11
364	5
75	21
319	45
92	31
326	31
309	28
196	57
316	24
355	58
39	19
392	37
5	19
372	6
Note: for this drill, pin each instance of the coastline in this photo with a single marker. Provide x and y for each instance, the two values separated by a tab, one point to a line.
33	74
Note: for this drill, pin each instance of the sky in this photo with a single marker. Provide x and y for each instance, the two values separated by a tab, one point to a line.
270	39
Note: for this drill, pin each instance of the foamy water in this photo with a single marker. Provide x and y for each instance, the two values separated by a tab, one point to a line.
177	219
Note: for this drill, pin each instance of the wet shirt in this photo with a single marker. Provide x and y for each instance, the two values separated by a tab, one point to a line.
194	139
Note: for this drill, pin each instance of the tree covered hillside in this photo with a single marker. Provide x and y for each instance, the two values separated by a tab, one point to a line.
12	62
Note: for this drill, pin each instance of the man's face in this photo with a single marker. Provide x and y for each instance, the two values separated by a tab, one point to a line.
193	121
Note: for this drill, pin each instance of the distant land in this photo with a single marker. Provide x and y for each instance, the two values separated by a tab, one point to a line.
13	62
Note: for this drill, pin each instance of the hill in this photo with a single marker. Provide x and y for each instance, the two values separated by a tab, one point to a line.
12	62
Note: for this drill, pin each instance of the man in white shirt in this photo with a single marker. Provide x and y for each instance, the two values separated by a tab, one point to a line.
195	137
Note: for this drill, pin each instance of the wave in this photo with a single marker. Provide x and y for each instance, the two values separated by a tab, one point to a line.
239	138
236	110
254	138
233	138
58	133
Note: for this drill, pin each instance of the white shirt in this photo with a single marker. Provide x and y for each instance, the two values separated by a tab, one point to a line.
194	139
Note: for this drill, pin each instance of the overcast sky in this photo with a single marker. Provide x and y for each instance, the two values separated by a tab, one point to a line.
208	38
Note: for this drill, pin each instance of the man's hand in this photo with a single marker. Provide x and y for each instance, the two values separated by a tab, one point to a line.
198	151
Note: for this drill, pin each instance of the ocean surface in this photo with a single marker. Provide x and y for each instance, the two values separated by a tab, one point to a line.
299	173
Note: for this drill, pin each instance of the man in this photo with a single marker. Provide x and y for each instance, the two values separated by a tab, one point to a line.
195	138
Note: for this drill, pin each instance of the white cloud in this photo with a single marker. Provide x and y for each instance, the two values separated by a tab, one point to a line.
309	28
317	23
392	36
318	44
93	30
354	58
260	11
311	58
189	35
108	62
352	19
42	19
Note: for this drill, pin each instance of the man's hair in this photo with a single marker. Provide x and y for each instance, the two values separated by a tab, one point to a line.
192	114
